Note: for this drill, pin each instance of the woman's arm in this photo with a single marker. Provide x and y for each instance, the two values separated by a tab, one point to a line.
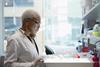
37	61
12	54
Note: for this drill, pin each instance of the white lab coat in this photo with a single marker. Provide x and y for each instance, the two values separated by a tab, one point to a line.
21	51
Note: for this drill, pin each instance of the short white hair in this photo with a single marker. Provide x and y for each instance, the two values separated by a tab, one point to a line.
30	15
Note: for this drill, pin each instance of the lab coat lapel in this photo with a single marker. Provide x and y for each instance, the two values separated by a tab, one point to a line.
26	40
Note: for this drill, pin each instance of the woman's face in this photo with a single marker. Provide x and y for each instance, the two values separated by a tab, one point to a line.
34	27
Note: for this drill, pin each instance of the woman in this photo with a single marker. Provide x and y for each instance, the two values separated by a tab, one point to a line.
22	50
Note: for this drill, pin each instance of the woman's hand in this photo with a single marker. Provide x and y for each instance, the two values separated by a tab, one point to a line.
37	61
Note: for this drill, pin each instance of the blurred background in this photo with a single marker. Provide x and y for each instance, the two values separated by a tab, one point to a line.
60	20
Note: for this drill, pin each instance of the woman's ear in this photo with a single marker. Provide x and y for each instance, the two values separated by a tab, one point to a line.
29	27
26	27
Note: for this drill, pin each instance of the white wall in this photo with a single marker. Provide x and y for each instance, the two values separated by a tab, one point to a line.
1	29
17	11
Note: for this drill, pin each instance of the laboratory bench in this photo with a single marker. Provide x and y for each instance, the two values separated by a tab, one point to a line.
61	61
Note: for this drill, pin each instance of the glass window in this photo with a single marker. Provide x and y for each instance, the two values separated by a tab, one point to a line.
18	22
23	3
18	3
62	24
8	3
11	25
